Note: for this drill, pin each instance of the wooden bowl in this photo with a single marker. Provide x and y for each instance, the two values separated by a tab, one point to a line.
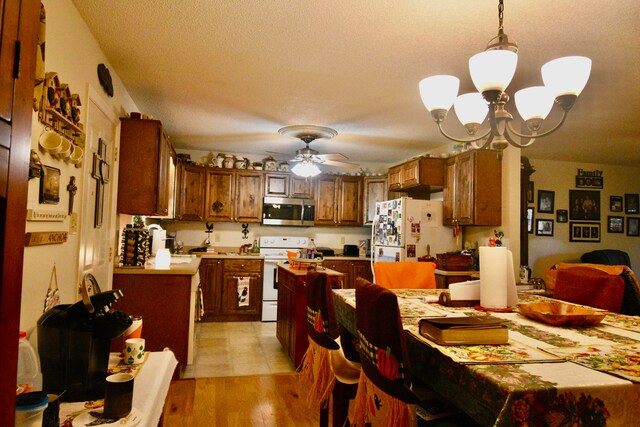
558	313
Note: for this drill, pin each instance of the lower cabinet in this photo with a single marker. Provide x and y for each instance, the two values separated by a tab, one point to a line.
291	326
352	269
166	303
219	283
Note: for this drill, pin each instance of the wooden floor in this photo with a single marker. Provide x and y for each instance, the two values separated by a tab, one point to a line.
259	400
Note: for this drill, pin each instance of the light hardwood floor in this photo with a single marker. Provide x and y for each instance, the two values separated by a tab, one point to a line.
240	377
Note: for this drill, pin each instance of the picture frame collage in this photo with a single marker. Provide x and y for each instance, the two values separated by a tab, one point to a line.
584	213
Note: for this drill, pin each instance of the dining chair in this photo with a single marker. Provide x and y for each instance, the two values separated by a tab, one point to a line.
325	371
384	396
405	275
608	287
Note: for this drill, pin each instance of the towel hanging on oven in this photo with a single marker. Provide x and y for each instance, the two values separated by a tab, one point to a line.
243	291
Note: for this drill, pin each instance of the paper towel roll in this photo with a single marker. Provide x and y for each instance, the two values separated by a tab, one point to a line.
159	241
497	279
494	277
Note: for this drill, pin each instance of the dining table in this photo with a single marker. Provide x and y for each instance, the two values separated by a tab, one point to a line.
547	374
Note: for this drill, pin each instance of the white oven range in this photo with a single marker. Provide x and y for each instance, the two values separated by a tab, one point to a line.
274	250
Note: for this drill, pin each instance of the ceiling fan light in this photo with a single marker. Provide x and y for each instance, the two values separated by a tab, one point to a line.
306	169
471	108
534	102
439	92
493	69
567	75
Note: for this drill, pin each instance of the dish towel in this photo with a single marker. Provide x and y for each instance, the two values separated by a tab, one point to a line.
243	291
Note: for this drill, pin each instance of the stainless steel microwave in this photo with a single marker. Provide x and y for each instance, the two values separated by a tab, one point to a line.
287	211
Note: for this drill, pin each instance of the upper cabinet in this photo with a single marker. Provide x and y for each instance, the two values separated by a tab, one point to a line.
338	200
233	196
473	189
375	190
286	185
190	197
420	175
145	147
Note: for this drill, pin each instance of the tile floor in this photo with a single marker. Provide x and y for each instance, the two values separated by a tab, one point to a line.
224	349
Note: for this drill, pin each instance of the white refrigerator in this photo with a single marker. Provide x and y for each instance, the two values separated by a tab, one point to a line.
405	229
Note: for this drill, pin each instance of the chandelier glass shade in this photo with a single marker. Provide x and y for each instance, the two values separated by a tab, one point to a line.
306	168
491	72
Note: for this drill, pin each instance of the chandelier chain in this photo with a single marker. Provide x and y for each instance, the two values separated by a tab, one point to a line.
500	14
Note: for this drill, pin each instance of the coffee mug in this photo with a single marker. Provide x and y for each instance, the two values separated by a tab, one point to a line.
134	351
118	396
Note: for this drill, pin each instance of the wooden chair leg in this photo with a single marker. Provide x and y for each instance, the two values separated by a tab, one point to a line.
342	393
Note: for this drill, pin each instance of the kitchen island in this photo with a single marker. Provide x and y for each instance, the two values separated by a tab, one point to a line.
166	300
291	327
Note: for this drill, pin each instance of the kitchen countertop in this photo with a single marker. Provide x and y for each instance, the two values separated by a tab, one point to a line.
188	267
471	273
301	272
347	258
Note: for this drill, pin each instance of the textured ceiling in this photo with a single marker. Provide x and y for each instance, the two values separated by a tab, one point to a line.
225	75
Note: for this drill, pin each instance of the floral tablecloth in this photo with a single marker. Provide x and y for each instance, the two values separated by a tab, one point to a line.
594	379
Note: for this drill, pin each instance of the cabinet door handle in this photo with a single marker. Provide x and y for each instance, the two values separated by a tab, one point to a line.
217	206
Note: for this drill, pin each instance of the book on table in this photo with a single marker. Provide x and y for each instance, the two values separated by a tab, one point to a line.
465	330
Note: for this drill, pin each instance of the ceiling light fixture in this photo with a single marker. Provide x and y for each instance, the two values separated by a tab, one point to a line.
306	168
491	72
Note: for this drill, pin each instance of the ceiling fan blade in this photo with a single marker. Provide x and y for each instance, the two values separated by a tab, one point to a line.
340	164
333	156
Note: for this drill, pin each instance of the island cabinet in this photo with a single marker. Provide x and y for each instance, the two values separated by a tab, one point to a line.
352	269
338	200
375	190
473	189
286	185
233	196
166	300
219	280
190	197
144	147
418	177
291	326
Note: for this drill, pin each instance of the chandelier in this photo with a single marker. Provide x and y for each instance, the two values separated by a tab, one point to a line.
491	72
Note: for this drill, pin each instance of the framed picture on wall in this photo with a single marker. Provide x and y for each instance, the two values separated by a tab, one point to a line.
631	204
615	203
562	215
544	227
615	224
50	185
584	232
530	192
545	201
584	205
530	220
633	226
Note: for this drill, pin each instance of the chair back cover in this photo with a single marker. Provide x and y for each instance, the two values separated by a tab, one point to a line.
322	325
405	275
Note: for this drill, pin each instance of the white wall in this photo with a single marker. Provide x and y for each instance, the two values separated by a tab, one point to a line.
560	177
73	53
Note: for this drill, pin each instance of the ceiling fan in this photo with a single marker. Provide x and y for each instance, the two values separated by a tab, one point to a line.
307	158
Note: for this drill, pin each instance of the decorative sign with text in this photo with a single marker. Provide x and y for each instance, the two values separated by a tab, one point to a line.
45	238
589	179
44	215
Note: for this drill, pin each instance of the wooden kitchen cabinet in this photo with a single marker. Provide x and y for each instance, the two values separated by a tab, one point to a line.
144	147
422	175
291	326
190	198
210	284
219	192
338	200
375	190
351	269
287	185
219	283
473	189
233	196
248	196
